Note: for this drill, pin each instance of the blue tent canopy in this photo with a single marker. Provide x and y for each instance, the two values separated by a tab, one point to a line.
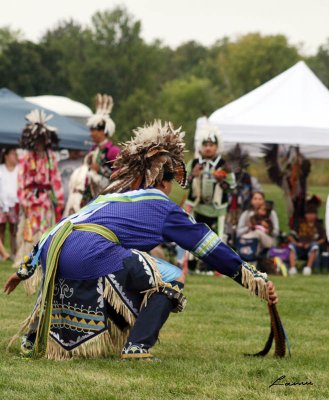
13	109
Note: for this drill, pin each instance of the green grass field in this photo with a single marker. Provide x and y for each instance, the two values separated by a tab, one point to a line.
201	350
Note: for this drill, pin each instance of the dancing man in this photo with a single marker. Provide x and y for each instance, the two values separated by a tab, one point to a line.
101	289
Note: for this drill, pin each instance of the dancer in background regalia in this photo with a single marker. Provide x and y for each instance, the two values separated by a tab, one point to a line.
101	156
40	193
289	169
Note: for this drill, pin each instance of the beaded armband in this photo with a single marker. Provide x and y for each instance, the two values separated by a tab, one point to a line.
26	269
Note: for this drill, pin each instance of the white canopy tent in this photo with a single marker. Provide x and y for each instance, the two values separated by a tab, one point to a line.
292	109
63	106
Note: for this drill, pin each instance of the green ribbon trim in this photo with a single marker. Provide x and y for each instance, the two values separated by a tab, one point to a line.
53	254
127	199
101	230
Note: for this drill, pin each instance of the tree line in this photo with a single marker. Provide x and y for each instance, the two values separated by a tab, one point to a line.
146	80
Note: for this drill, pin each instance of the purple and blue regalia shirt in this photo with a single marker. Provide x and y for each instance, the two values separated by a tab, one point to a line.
141	219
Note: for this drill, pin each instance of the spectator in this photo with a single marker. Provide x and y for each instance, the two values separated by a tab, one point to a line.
8	198
257	200
259	222
306	241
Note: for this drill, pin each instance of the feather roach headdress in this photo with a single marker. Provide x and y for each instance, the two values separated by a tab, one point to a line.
37	130
101	120
210	133
155	153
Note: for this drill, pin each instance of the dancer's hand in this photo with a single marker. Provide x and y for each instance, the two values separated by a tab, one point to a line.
273	297
12	282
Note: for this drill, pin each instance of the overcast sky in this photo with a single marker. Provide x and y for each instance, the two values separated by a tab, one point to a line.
175	21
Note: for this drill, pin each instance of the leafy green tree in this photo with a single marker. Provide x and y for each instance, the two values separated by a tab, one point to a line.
121	59
7	36
68	44
187	57
320	63
253	60
147	81
23	69
139	108
182	101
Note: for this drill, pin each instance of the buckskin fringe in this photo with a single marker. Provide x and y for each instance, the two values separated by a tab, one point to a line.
255	281
118	337
32	284
99	346
105	344
118	304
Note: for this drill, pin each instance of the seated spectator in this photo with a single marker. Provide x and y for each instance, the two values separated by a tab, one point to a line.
306	241
245	226
261	220
261	228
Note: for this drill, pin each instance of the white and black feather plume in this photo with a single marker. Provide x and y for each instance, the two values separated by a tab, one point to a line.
101	119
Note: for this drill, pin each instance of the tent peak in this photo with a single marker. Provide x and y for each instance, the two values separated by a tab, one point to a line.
8	94
290	108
